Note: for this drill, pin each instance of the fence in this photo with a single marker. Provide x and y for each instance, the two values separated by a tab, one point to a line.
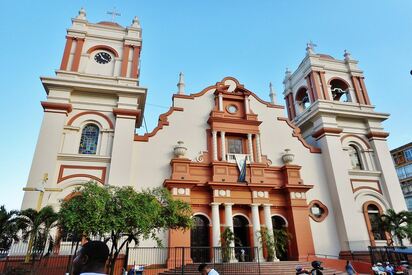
393	254
183	260
166	261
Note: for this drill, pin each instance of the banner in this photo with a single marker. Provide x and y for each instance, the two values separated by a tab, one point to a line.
241	165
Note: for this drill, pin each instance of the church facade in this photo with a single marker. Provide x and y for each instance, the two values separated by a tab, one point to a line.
323	170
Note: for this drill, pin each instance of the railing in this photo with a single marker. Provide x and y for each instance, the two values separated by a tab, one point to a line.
166	261
393	254
181	260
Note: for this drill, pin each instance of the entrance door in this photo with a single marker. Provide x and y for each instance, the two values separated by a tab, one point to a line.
280	233
243	251
199	240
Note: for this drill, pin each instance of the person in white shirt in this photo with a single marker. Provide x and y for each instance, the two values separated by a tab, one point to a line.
204	269
91	259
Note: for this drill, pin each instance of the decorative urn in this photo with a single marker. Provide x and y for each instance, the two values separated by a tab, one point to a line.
287	157
180	149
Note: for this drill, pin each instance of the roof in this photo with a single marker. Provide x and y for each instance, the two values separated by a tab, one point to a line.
107	23
400	148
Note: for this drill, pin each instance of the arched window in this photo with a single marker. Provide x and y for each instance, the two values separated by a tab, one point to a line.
355	159
372	215
88	141
199	239
302	98
340	90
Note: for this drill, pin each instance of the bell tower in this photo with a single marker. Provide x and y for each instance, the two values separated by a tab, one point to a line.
328	100
94	105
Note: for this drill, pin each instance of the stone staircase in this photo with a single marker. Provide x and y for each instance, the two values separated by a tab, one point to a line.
281	268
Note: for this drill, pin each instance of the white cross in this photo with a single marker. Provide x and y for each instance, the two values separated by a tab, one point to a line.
113	14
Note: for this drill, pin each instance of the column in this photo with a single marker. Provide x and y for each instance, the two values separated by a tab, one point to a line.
229	224
256	229
268	222
250	147
258	148
223	145
247	105
215	224
214	145
220	96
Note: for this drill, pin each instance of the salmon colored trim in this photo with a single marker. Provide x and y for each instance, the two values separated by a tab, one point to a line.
357	90
374	134
292	104
367	220
338	78
56	106
162	122
193	96
358	137
126	112
125	61
321	205
364	91
288	107
77	54
310	90
316	83
136	54
103	47
296	133
326	130
71	196
91	113
60	178
324	86
365	187
66	54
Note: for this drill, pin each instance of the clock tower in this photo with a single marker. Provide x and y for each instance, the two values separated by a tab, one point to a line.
93	106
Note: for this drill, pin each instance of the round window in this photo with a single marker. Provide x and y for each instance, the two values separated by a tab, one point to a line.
317	211
231	109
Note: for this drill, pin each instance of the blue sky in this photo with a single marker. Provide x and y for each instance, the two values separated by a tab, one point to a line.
253	41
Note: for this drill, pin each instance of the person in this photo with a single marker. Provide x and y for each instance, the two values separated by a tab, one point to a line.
301	270
390	270
316	268
349	268
91	259
204	269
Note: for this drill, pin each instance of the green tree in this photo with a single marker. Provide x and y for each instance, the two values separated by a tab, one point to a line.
281	238
123	215
226	241
268	241
398	225
36	226
8	227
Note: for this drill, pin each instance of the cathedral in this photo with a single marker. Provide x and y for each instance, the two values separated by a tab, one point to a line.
318	165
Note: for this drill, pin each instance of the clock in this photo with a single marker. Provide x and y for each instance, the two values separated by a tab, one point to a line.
102	57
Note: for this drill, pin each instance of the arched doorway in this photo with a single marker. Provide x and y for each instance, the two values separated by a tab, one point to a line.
242	241
199	239
279	230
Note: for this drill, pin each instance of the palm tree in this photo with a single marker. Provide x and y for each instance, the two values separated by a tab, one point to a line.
8	228
397	224
36	226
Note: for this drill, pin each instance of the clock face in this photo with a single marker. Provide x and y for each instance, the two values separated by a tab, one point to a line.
102	58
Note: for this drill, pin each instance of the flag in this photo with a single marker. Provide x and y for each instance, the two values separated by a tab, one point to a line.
241	164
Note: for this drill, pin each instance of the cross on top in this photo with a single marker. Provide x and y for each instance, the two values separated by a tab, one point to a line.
311	45
113	14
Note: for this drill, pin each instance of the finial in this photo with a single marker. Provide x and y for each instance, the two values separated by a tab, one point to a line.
181	84
82	14
136	22
272	94
288	72
310	47
347	55
113	13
